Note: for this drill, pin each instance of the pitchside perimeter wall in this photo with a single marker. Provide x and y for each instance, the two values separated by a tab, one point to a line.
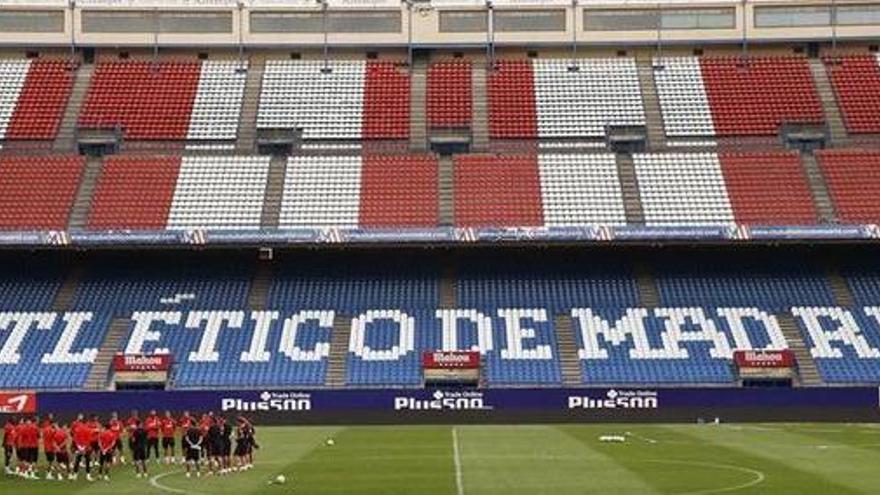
488	406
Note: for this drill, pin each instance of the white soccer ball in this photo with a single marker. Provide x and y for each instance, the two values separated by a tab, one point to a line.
331	442
281	479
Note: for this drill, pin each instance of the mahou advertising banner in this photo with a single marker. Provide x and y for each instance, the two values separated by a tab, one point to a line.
141	363
764	359
450	359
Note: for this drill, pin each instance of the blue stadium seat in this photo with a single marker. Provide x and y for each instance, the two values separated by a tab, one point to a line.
372	281
123	285
230	368
30	369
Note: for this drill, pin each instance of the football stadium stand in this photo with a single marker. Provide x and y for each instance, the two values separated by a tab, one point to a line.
856	81
510	308
166	100
350	100
732	96
35	93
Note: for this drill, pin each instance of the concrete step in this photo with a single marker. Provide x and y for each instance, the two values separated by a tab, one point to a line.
569	363
839	135
807	370
449	286
274	192
65	140
446	192
818	188
480	108
418	111
840	289
82	205
100	372
339	342
629	186
258	295
651	103
247	124
649	296
64	297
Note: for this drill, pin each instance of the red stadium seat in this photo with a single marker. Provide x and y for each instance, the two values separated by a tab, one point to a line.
149	100
399	191
449	94
134	193
37	193
511	94
856	82
853	178
768	188
497	191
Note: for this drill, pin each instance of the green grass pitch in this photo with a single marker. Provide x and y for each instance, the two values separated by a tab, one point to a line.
774	459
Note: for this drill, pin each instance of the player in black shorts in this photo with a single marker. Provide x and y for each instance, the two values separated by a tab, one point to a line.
225	445
138	441
192	446
215	444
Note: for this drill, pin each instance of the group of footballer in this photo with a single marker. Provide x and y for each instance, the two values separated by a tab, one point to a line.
206	444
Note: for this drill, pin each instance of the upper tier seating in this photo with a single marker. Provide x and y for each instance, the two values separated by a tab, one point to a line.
119	285
219	193
580	190
37	192
353	100
191	192
34	97
449	94
34	364
853	178
166	100
856	81
683	189
233	365
351	191
511	94
726	96
768	188
544	99
492	190
134	192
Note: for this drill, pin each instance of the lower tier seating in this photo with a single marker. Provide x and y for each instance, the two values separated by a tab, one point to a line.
48	350
514	308
118	285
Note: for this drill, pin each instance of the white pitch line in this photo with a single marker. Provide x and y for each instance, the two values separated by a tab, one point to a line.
456	459
759	476
154	482
640	437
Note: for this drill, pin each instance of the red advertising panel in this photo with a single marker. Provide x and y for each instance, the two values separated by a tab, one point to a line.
451	359
764	359
141	362
18	402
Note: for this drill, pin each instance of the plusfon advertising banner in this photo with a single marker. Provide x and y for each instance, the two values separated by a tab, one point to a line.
416	401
